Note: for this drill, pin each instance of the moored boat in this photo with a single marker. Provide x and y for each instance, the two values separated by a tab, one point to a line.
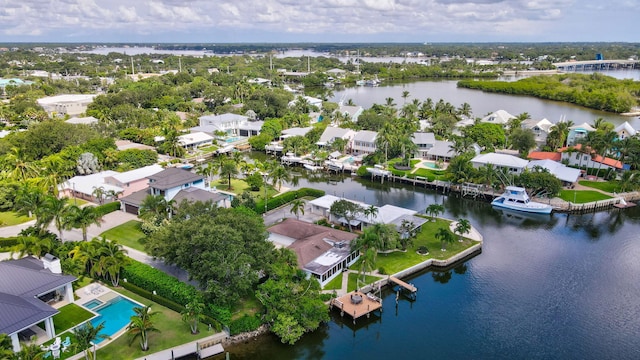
516	198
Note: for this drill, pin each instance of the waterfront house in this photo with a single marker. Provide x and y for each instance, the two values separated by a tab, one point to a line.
350	111
195	140
295	131
322	252
424	141
29	288
578	132
364	142
332	133
513	164
231	124
540	129
574	156
500	117
567	175
442	151
315	102
624	130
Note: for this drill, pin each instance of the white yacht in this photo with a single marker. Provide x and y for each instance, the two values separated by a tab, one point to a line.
516	198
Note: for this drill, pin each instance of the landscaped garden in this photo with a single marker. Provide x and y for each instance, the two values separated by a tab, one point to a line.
582	196
128	234
393	262
70	316
606	186
353	281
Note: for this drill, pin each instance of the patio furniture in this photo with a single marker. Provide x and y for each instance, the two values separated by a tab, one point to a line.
66	342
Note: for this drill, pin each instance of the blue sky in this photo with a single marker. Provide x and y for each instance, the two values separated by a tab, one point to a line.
218	21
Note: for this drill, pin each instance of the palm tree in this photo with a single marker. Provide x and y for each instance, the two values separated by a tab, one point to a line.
28	199
17	166
193	313
462	227
53	209
99	193
445	236
558	134
278	175
465	109
388	102
81	218
30	351
297	207
112	260
54	172
405	95
33	245
87	255
371	212
86	334
434	210
230	170
141	324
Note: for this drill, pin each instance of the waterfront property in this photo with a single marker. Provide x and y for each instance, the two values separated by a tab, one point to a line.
322	252
513	164
232	124
29	290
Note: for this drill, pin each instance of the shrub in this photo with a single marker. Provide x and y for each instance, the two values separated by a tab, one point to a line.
244	324
108	208
165	285
149	295
289	196
423	250
8	242
382	271
223	315
327	296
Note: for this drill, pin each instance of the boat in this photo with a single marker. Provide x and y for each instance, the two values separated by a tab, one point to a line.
516	198
312	167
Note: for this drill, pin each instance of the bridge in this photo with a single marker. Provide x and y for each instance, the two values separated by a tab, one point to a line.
591	65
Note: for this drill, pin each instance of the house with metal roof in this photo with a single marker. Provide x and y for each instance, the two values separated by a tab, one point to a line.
194	140
67	104
84	186
540	129
364	142
133	180
332	133
424	141
513	164
578	132
624	130
565	174
500	117
322	252
29	291
231	124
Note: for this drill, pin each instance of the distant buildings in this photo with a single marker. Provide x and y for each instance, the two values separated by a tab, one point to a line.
70	104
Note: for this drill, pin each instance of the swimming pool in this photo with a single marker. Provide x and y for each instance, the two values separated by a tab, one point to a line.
232	139
92	304
430	165
116	314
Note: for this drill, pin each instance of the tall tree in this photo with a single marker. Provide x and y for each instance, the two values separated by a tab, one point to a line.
81	218
445	236
434	210
193	313
463	226
347	210
297	207
86	334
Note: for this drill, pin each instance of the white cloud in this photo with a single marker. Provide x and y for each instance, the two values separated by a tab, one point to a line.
336	20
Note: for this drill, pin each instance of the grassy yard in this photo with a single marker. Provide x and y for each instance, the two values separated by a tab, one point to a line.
393	262
430	174
353	281
247	306
128	234
9	218
582	196
70	316
173	332
607	186
334	284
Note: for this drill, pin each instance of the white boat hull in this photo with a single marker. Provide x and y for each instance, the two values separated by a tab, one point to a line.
531	207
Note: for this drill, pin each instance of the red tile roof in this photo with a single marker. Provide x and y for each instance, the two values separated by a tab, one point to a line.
598	158
544	155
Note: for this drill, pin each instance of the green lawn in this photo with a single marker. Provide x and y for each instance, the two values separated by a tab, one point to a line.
9	218
70	316
353	281
247	306
128	234
582	196
430	174
607	186
334	284
173	332
393	262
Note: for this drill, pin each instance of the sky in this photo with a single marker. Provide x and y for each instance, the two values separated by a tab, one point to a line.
228	21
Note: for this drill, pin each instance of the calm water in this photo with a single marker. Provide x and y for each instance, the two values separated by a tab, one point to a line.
481	103
543	288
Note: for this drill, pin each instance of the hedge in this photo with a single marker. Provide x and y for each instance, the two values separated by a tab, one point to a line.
244	324
104	209
8	242
289	196
167	303
149	278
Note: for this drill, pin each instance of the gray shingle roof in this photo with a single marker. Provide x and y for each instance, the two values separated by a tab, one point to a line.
21	281
172	177
192	194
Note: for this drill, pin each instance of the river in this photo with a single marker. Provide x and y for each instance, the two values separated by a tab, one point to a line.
558	287
482	103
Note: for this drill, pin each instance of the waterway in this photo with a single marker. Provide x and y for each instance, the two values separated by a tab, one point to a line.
544	287
482	103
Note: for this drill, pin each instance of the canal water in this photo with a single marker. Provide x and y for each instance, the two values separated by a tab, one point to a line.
544	287
482	103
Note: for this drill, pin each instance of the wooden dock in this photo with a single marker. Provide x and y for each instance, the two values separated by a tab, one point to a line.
357	304
202	348
406	286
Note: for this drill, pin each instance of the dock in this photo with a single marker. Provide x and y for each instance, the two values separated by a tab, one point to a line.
357	304
404	285
203	348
